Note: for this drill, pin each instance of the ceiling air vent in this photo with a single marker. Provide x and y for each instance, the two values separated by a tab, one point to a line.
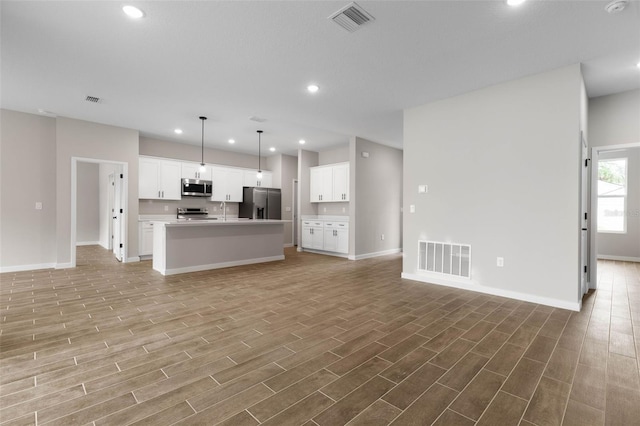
258	119
351	17
93	99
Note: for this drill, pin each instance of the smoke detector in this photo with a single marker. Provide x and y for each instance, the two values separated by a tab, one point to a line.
351	17
616	6
93	99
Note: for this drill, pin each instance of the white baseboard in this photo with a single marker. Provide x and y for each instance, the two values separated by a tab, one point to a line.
375	254
288	245
470	285
88	243
621	258
327	253
133	259
64	265
20	268
220	265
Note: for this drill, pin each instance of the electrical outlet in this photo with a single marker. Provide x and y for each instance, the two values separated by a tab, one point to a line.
344	210
382	237
287	209
500	262
166	208
38	205
412	208
324	210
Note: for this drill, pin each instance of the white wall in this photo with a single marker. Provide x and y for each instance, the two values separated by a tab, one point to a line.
88	204
502	165
377	199
27	176
627	245
614	119
76	138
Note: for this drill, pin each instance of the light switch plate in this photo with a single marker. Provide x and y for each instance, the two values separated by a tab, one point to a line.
423	189
412	208
287	209
500	262
38	205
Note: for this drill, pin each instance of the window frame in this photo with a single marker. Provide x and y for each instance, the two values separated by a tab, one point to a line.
624	196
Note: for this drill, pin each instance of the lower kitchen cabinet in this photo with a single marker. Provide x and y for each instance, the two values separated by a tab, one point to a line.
336	237
331	236
312	234
145	240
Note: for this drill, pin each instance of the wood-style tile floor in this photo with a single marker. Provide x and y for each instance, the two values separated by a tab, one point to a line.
312	340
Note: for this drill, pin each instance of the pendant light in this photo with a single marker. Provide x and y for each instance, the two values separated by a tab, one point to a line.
203	168
259	175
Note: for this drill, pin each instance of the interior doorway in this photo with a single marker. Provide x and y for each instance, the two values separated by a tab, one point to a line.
113	207
596	154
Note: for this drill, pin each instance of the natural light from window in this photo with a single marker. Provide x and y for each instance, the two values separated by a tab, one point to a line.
612	194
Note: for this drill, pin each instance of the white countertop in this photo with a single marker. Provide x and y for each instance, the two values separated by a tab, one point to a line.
325	217
221	222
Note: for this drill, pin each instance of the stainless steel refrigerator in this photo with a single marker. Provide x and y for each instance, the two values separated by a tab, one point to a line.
260	203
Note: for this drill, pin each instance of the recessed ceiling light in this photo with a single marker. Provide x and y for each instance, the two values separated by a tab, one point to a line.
312	88
301	141
515	2
232	141
272	149
178	131
133	12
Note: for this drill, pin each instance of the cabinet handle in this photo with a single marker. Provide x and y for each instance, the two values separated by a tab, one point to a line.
162	194
158	194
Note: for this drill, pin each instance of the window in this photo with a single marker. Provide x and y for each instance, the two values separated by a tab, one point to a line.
612	195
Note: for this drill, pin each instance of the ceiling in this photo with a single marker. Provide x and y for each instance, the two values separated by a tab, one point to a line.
237	59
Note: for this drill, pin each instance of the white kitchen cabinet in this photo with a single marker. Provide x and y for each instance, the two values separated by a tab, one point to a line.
192	171
313	234
321	189
341	182
329	183
227	184
145	239
159	179
251	179
336	236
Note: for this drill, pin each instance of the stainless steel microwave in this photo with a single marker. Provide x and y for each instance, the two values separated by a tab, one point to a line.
196	187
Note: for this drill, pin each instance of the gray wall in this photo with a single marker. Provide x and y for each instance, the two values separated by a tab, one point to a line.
88	204
76	138
377	198
614	119
180	151
335	155
285	170
625	245
27	152
502	165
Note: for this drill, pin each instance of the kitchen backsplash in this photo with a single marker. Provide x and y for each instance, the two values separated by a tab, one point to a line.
333	209
158	207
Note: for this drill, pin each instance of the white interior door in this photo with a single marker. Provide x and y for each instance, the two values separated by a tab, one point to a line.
118	205
584	211
111	209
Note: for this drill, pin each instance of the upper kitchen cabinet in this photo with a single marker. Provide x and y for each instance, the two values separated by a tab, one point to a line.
251	179
192	171
227	184
329	183
159	179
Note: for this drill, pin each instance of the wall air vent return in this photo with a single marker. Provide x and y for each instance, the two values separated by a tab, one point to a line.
93	99
444	258
257	119
351	17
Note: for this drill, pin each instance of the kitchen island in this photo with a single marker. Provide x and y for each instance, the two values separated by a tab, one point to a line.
189	246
